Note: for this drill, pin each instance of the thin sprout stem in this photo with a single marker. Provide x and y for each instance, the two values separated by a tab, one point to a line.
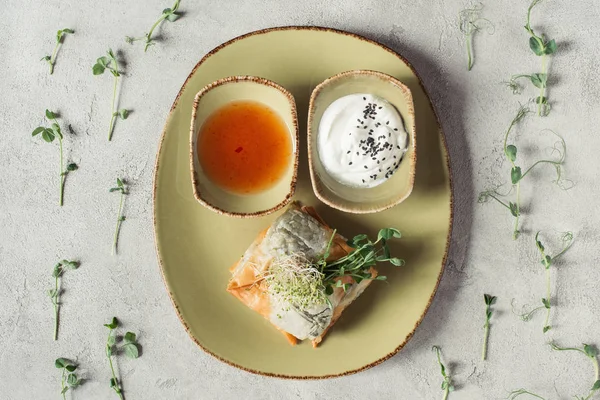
149	35
118	226
542	89
53	57
469	50
56	308
62	385
61	173
541	162
116	387
486	335
516	229
547	296
112	107
446	391
499	201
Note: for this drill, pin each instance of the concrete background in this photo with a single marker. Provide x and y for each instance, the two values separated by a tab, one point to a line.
475	108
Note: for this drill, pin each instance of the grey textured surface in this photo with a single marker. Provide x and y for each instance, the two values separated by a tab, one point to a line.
474	108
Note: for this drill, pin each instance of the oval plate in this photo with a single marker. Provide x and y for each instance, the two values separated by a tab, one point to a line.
196	246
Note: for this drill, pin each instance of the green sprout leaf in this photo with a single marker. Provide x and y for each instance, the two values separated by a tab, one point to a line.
511	152
539	80
515	175
131	350
536	46
113	324
550	47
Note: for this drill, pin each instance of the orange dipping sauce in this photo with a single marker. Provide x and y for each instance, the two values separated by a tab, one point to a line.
244	147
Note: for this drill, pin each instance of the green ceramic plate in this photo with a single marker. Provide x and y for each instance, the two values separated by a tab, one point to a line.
196	246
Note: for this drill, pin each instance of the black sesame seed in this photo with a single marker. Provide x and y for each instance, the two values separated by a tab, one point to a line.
363	181
387	123
357	153
398	147
365	167
380	108
395	129
383	159
348	152
364	98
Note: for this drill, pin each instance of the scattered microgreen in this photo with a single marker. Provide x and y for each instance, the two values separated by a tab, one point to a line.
590	352
517	174
519	392
541	47
447	385
69	379
489	301
169	14
120	218
60	35
469	23
57	273
49	134
130	347
111	64
547	261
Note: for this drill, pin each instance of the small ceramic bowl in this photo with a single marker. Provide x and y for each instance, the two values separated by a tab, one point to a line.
399	186
217	95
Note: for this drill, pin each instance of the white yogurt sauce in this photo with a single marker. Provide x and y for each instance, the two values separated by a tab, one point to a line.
361	140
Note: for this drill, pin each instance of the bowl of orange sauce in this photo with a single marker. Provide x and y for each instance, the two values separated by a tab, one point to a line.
244	146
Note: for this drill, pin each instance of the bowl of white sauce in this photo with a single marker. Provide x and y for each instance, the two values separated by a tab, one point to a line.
362	141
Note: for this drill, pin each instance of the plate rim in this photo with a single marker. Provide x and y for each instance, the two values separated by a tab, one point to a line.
154	196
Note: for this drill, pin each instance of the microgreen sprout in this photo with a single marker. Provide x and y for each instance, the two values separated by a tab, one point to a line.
295	280
517	174
469	23
489	301
60	35
49	134
590	352
303	283
111	64
130	347
120	218
57	273
541	47
169	14
68	379
519	392
359	261
547	261
447	385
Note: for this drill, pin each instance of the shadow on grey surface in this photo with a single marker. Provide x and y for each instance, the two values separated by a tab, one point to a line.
448	98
